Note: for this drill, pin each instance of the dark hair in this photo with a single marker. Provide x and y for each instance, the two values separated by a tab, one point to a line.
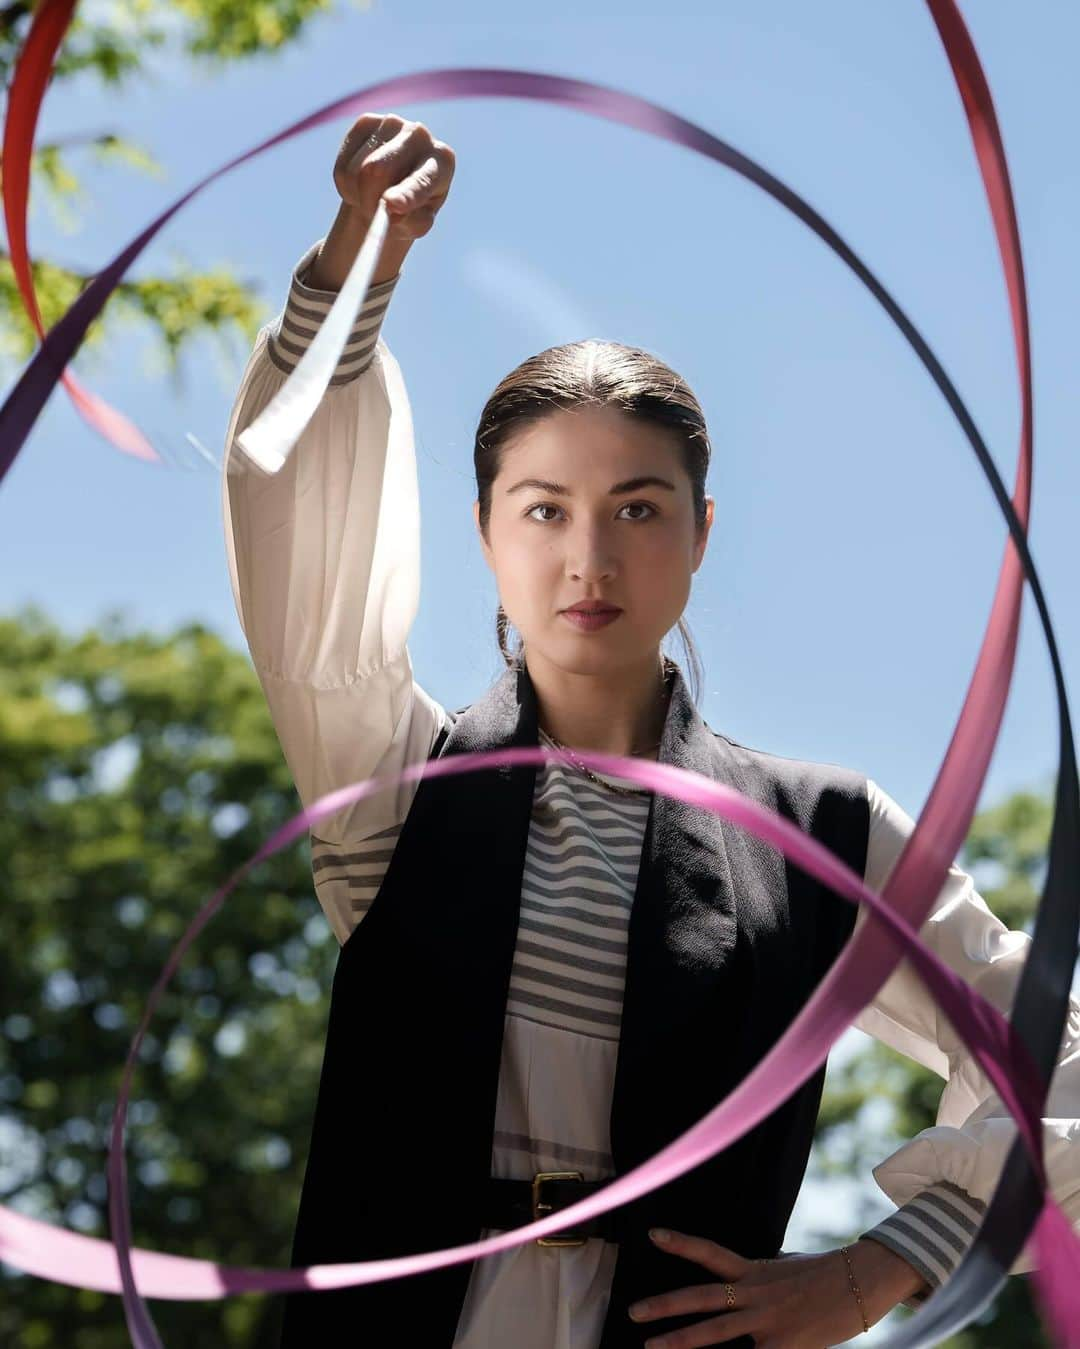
597	373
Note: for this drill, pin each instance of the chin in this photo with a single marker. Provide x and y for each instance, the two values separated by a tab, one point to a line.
585	656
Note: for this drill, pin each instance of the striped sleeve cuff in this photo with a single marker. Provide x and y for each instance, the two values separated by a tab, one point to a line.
932	1233
305	308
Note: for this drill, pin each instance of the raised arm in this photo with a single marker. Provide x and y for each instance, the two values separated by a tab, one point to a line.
324	555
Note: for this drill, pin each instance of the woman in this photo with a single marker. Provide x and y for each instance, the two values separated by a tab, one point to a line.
547	974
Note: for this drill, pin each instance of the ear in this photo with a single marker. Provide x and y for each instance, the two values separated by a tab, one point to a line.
703	538
483	542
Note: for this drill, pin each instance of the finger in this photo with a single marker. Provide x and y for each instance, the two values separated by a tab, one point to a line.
427	185
361	130
367	164
702	1297
717	1330
357	143
715	1258
381	166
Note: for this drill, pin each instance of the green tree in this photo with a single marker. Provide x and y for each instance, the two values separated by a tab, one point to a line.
136	773
880	1098
114	43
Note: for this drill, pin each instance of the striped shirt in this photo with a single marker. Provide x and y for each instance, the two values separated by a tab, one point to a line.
305	308
581	868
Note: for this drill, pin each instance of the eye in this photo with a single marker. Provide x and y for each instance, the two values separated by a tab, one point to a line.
549	506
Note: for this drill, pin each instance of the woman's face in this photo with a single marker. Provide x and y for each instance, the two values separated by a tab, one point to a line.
576	538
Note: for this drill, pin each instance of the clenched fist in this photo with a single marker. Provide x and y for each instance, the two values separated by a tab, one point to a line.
404	166
383	158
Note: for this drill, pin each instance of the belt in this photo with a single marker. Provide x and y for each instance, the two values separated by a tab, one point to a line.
513	1203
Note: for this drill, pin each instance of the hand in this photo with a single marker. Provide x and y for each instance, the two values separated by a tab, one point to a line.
410	171
794	1302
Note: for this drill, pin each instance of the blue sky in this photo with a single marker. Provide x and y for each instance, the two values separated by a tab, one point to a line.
856	543
849	575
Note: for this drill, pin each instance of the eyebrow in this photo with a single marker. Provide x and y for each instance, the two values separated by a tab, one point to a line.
558	488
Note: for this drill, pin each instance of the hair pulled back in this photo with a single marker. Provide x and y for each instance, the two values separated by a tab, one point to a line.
600	374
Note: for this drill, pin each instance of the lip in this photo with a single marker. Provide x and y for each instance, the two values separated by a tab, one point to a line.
590	620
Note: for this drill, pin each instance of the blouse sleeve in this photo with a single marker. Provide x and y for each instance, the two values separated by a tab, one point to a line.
324	560
944	1177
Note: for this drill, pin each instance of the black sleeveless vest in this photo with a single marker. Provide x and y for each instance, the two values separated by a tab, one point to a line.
726	942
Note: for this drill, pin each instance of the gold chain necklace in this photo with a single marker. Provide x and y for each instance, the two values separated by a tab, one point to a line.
600	782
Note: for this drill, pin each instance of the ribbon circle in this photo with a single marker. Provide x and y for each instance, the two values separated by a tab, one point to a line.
1018	1057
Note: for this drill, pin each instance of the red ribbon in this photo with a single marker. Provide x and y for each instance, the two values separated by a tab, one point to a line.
32	71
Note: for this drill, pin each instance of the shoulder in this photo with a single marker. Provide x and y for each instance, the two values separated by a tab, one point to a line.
787	767
804	785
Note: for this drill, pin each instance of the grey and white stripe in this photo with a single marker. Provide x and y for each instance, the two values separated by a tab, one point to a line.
578	887
347	878
305	308
932	1231
581	869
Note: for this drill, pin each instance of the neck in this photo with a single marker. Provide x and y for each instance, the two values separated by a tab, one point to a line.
618	713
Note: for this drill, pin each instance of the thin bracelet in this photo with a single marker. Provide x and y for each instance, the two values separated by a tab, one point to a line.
855	1288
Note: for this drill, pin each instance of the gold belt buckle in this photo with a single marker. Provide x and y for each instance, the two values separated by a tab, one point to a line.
538	1206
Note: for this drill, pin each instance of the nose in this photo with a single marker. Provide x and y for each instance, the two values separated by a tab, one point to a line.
590	556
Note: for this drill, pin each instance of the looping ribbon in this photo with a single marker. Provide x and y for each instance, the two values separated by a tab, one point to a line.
1018	1056
28	84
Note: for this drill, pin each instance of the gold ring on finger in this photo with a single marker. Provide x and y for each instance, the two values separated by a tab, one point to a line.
729	1293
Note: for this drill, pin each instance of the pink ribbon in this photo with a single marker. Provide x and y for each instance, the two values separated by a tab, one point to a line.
873	952
984	1029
